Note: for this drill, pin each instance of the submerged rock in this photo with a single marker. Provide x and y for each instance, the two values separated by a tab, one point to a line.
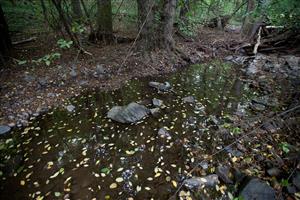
4	129
128	114
257	190
197	182
157	102
70	108
154	111
163	132
189	99
164	87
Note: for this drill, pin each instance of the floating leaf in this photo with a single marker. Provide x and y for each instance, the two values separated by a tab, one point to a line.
113	186
174	183
119	179
57	194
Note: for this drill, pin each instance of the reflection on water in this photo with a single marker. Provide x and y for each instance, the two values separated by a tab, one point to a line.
84	155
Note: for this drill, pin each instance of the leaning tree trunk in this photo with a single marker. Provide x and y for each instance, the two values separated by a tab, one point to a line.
168	17
248	20
76	9
5	41
104	21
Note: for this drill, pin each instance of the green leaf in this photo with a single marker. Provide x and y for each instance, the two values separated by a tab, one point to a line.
105	170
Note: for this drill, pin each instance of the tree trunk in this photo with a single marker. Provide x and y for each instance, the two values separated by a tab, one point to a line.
104	21
76	9
184	9
248	20
146	25
168	17
5	41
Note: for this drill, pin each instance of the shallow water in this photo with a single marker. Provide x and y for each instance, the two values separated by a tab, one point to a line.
84	155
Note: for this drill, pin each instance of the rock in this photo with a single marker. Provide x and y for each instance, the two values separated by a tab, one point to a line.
157	102
204	165
164	87
128	114
100	70
291	189
293	61
43	82
4	129
29	78
163	132
258	190
189	99
70	108
274	171
270	127
154	111
224	173
233	152
296	180
257	107
197	182
51	95
73	73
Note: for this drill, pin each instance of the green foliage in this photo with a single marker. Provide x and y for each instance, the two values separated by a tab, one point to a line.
64	44
47	59
285	147
284	182
283	13
77	28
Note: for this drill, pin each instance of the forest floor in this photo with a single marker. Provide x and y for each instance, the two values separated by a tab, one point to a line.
29	89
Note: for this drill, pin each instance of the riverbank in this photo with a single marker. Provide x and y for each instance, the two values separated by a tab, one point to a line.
28	90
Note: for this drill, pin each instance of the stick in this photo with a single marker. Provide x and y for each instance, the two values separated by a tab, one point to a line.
24	41
258	42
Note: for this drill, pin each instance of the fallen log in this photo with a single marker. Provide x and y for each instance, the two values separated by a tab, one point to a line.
24	41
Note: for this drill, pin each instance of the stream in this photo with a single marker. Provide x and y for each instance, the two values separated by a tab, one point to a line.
85	155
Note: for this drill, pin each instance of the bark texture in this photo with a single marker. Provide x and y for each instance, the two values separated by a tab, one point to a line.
104	21
76	9
248	20
5	41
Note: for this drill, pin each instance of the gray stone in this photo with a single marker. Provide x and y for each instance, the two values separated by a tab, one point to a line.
4	129
29	78
70	108
296	180
257	107
100	70
164	87
157	102
224	173
274	171
163	132
73	73
189	99
258	190
128	114
198	182
43	82
154	111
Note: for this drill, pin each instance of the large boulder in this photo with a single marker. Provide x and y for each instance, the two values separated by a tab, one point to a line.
258	190
131	113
